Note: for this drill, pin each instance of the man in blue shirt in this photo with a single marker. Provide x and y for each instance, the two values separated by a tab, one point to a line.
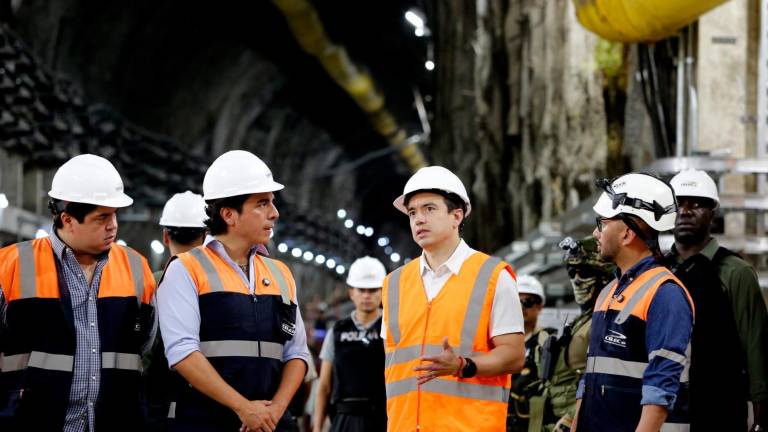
636	373
229	317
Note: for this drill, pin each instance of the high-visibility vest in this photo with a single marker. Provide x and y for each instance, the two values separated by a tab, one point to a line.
617	357
38	350
241	334
416	327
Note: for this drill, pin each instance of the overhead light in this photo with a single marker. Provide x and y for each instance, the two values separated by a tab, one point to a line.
3	201
296	252
341	213
41	233
331	263
360	229
429	65
383	241
121	242
388	250
395	257
308	256
157	247
340	269
319	259
368	232
349	223
419	31
282	247
413	17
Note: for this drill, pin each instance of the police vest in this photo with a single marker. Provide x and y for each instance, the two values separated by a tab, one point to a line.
416	327
241	334
38	349
358	365
618	357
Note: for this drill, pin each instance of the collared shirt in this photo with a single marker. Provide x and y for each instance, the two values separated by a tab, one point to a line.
178	307
86	376
86	372
668	327
740	284
506	313
327	352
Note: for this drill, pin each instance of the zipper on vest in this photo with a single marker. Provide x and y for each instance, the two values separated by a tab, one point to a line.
602	390
418	390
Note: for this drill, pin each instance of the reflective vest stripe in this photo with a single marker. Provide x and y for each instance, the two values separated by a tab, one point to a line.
281	283
638	295
393	300
413	352
604	293
14	362
667	354
172	410
475	306
116	360
214	281
242	348
137	272
28	282
63	362
675	427
614	366
450	388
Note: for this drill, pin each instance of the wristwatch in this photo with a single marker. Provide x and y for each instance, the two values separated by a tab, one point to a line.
470	369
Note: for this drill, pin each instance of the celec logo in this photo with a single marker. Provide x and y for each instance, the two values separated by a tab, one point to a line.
691	184
616	338
619	185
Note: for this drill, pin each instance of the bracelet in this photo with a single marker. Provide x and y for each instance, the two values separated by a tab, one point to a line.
461	366
470	369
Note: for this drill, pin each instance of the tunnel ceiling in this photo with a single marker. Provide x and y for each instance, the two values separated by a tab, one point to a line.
163	87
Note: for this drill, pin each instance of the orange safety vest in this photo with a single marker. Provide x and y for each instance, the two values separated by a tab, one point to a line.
38	352
416	327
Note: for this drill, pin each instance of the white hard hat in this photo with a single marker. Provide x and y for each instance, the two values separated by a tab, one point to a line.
237	172
530	285
89	179
366	272
186	210
642	195
433	177
695	183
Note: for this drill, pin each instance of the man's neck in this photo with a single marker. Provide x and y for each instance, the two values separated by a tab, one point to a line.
83	258
366	318
688	250
236	247
529	328
439	254
630	257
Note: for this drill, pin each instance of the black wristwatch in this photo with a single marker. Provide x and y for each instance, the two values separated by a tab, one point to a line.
470	369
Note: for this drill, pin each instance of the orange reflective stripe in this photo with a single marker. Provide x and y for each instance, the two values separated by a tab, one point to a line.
125	275
46	277
281	282
605	294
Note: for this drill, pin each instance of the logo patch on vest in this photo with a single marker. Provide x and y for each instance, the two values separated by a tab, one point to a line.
616	338
289	328
358	336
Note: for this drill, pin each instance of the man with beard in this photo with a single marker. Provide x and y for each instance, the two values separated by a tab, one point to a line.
729	336
351	375
641	325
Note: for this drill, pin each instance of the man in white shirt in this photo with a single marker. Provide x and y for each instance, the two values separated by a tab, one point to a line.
453	325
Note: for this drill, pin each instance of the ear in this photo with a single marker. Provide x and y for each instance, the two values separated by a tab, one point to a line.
229	215
351	293
66	219
166	238
458	216
627	236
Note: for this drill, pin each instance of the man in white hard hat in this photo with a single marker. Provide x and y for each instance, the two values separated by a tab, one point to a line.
641	325
532	299
731	331
351	373
76	312
183	221
229	316
453	327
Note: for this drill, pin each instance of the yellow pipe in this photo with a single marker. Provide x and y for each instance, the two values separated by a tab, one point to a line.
640	20
310	34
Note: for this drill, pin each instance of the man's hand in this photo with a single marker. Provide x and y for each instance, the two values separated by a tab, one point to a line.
564	424
257	416
445	363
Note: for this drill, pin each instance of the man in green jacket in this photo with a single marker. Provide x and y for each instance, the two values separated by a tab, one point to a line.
723	347
562	360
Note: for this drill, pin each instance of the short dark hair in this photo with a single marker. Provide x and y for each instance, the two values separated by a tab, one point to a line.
184	235
77	210
452	202
215	223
